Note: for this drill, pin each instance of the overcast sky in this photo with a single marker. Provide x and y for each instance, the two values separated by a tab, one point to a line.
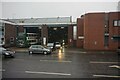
54	9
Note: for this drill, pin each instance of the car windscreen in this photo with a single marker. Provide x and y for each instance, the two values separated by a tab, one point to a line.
40	46
57	43
50	44
34	46
1	49
37	46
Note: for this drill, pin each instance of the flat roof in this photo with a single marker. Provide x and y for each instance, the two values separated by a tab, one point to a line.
41	21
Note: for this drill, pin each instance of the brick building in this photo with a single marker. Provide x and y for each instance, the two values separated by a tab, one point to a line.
38	30
95	31
80	35
100	31
8	33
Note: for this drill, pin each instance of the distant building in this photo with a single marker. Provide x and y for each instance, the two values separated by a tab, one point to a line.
95	31
8	33
99	31
23	32
1	36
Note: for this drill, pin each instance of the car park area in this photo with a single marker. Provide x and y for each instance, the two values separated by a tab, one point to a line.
60	40
62	63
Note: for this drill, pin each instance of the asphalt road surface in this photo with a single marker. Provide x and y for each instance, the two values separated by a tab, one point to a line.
65	63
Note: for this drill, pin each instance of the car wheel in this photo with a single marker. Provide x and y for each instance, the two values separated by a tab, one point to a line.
30	52
45	52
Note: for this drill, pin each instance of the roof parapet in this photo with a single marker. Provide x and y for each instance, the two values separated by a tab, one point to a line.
7	22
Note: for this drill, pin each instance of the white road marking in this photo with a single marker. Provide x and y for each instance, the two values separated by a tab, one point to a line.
2	70
76	52
64	74
83	52
109	76
97	62
55	61
115	66
18	59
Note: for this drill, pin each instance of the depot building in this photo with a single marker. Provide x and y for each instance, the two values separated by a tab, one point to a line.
92	31
25	32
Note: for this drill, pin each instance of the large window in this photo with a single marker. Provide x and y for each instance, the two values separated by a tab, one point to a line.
106	40
116	38
116	23
75	32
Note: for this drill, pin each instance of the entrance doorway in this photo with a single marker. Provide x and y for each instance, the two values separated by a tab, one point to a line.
58	34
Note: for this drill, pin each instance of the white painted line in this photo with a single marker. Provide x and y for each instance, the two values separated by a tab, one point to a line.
18	59
115	66
109	76
97	62
2	70
83	52
64	74
55	61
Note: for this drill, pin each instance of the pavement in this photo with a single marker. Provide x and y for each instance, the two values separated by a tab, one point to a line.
18	49
76	50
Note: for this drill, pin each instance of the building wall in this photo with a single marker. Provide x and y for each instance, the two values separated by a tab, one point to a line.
80	35
70	36
20	29
113	30
96	27
94	31
10	32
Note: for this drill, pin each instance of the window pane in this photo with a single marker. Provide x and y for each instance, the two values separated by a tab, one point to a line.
106	41
116	38
119	23
75	32
115	23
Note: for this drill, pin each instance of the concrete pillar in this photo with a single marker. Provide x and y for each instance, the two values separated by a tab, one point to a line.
44	35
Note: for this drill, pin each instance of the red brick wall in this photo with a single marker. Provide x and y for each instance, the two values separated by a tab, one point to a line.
80	30
113	45
20	29
119	34
10	31
94	24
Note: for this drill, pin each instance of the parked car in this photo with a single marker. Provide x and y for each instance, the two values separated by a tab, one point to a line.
57	45
7	53
51	46
38	49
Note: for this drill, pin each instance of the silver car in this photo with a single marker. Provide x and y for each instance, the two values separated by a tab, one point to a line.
38	49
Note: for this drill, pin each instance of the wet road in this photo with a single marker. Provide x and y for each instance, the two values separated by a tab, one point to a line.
67	63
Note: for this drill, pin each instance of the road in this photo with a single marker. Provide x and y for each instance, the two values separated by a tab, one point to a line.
66	63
